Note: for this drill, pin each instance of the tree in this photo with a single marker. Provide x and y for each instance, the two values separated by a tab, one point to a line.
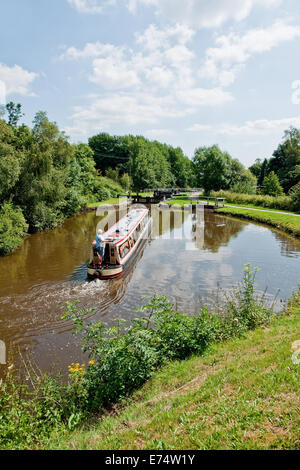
256	168
109	151
14	113
295	195
13	227
271	185
246	184
125	181
263	172
212	168
10	163
286	159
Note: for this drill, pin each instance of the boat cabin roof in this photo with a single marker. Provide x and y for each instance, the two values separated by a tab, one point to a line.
124	227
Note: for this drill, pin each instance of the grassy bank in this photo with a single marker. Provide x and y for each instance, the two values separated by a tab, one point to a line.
219	379
243	394
287	223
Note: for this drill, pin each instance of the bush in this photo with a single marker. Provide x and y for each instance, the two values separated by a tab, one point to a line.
123	358
271	185
280	202
13	227
295	196
247	183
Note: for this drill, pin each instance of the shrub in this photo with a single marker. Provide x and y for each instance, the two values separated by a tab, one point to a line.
295	196
279	202
246	184
122	359
271	185
125	357
13	227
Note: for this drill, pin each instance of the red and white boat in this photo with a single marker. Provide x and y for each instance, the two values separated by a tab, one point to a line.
121	243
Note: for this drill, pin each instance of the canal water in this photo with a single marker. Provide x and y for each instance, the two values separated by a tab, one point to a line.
188	257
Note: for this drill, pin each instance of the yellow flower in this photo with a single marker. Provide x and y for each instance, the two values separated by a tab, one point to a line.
91	363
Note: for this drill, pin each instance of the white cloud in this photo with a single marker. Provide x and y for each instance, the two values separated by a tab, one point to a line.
123	109
261	127
145	85
222	63
113	74
90	6
2	93
157	133
296	94
17	80
154	38
204	97
202	13
196	13
164	61
90	50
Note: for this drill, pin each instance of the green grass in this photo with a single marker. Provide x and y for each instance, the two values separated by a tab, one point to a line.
287	223
261	208
242	394
112	200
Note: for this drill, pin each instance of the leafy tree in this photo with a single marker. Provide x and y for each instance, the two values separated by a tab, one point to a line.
10	163
256	168
13	227
14	113
125	181
181	167
271	185
113	174
263	172
295	195
212	168
286	159
109	151
246	184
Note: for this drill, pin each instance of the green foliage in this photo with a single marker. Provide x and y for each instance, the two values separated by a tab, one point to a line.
125	181
213	168
295	196
14	113
280	202
125	357
44	175
256	168
246	183
286	159
122	359
12	228
271	185
148	163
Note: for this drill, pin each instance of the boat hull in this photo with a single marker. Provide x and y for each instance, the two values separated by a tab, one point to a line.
108	272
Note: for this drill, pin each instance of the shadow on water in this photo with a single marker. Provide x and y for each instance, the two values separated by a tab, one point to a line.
188	255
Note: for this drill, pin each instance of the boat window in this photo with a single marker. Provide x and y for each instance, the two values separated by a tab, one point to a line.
124	249
135	236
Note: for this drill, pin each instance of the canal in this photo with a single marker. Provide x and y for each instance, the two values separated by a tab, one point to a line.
188	257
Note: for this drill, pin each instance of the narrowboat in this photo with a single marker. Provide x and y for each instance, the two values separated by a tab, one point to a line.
120	243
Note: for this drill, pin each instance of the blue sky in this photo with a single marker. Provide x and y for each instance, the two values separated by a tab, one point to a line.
186	73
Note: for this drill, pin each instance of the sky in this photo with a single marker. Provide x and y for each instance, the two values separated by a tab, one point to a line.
188	73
